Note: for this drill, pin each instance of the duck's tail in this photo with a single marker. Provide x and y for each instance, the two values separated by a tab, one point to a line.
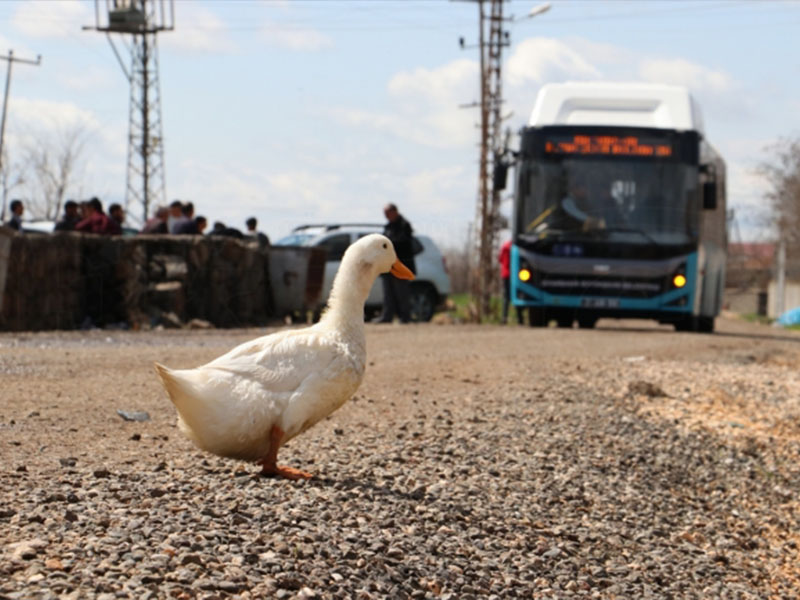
209	423
184	394
167	380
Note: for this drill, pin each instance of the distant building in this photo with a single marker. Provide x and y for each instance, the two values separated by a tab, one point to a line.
747	277
751	281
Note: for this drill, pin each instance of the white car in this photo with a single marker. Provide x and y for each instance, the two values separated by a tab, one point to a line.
428	290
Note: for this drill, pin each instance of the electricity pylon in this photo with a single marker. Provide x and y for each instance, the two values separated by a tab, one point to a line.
140	21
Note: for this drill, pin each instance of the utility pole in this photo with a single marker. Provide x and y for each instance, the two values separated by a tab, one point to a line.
11	59
142	20
780	284
488	204
491	103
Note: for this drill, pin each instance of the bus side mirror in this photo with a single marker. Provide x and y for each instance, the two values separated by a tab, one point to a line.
710	195
500	175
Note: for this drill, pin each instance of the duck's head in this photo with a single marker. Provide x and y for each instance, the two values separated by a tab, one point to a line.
374	254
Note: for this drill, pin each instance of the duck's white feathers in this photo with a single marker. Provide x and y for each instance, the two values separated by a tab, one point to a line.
291	379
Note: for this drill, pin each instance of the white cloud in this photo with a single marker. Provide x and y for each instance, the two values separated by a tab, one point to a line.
679	71
746	187
45	115
21	50
434	199
426	106
90	79
450	83
295	38
198	30
211	186
438	191
439	129
541	60
47	19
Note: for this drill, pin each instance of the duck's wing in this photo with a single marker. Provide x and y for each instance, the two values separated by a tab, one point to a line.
282	362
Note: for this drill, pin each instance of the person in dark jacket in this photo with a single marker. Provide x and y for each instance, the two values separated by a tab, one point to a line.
70	218
116	214
17	209
396	292
186	225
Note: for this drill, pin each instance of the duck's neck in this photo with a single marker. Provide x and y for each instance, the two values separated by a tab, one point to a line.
346	303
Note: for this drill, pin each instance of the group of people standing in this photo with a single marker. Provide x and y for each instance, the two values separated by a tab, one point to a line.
87	217
177	218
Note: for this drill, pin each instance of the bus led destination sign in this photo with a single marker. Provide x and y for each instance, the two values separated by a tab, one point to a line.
629	145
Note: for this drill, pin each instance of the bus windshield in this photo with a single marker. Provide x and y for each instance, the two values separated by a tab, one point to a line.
619	199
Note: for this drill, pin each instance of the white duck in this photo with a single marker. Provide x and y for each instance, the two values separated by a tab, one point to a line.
250	401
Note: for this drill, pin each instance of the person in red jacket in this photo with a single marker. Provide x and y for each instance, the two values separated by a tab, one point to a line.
504	258
96	221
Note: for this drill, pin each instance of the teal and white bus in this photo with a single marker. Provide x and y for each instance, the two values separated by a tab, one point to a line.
619	208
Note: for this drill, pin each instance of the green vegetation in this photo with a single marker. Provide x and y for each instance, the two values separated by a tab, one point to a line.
461	308
756	318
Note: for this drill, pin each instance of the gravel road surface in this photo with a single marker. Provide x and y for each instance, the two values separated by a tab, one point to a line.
628	461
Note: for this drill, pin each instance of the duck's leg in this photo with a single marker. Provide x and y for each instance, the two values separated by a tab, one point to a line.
269	464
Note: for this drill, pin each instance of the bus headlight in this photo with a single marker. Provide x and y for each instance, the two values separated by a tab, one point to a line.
679	280
524	275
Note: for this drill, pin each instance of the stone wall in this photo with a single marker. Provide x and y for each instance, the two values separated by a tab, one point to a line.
71	280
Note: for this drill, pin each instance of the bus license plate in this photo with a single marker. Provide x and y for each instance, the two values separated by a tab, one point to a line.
600	302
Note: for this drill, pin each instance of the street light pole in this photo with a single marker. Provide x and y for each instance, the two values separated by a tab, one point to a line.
11	60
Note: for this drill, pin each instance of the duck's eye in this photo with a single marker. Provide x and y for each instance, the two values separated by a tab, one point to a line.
384	245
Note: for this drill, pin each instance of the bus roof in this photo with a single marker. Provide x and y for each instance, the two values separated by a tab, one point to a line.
625	104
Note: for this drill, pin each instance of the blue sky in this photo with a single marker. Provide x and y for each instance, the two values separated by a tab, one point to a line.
318	111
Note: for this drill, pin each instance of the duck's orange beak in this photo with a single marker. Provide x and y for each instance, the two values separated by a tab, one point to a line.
401	271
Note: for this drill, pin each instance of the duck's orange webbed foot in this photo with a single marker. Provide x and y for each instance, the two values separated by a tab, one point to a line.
284	472
269	465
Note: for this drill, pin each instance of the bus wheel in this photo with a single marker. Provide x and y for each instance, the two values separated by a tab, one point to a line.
587	322
685	324
537	317
698	324
705	324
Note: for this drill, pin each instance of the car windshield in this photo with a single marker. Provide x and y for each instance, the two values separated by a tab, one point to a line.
622	200
294	239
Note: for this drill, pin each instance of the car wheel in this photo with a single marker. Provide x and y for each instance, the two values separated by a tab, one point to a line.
422	303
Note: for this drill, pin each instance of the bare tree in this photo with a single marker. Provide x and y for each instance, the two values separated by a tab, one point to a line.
459	264
53	160
12	176
782	172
